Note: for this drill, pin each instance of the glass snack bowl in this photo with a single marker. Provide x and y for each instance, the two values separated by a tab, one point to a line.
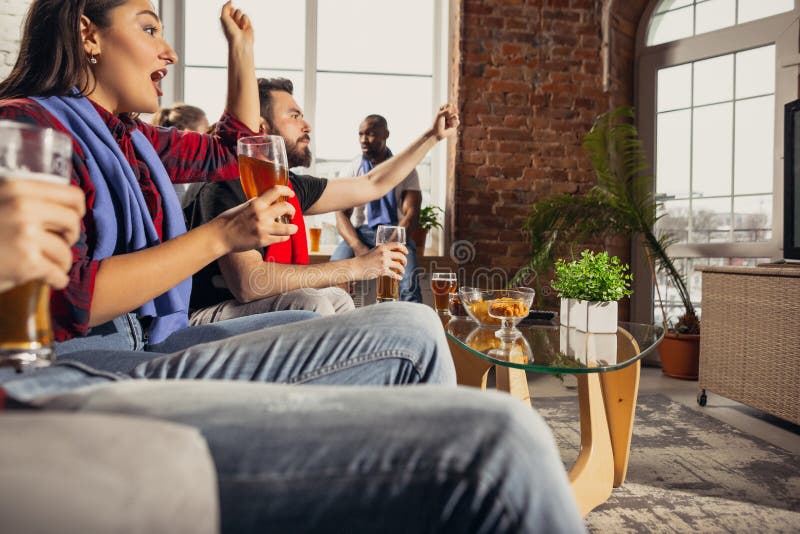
492	307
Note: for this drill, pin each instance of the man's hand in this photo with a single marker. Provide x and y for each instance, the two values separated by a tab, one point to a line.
41	221
387	259
236	25
446	122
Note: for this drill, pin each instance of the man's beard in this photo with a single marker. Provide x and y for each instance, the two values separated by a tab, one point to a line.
298	157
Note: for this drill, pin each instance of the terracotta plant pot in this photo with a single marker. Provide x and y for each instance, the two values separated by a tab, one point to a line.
680	355
420	235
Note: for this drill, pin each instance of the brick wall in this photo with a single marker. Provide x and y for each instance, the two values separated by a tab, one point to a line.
12	15
531	84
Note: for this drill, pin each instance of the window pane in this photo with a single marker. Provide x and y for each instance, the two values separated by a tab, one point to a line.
674	87
376	36
206	88
673	142
673	306
714	14
674	219
711	220
758	9
280	33
713	80
671	26
752	220
712	143
667	5
753	157
755	72
343	100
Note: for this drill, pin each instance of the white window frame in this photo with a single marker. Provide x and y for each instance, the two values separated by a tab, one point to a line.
172	86
728	40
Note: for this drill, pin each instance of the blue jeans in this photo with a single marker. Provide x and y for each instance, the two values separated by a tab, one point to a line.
409	285
400	343
120	344
334	459
294	458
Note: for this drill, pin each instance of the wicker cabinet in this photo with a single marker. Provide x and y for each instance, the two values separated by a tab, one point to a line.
750	337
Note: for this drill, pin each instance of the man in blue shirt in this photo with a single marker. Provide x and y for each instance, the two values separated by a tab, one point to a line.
399	207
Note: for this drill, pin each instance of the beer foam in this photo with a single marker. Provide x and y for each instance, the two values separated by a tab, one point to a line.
24	174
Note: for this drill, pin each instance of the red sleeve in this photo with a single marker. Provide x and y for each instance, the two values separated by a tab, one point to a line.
69	307
195	157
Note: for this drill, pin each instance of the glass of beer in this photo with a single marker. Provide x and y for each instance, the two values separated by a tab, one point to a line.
388	287
314	233
443	284
262	165
30	153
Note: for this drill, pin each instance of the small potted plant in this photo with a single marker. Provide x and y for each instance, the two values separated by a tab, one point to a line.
591	287
428	218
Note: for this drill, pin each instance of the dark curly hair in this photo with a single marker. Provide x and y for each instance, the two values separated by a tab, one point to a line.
51	58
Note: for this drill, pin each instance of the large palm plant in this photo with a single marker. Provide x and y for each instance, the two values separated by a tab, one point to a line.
622	202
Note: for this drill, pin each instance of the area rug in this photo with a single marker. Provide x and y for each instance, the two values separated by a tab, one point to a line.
688	472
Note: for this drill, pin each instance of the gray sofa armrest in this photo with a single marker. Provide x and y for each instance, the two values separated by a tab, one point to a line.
89	473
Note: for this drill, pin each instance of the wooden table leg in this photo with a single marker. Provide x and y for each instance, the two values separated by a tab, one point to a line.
470	370
513	381
620	389
592	476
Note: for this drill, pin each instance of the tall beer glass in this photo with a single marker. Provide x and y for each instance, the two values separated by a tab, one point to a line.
262	165
442	285
30	152
388	287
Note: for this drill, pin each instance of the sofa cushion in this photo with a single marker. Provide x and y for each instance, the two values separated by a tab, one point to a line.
91	473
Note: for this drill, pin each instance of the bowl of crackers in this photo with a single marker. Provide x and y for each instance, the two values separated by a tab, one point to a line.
489	307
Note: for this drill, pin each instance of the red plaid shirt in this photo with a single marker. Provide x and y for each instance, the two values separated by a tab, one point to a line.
187	156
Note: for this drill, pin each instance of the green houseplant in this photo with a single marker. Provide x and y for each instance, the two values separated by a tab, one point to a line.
589	288
428	219
622	203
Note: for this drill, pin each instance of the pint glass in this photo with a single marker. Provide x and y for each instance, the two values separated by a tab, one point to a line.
388	287
442	285
262	165
314	233
30	153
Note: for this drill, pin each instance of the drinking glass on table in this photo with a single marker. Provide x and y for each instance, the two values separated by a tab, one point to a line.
388	287
263	165
443	284
314	233
30	152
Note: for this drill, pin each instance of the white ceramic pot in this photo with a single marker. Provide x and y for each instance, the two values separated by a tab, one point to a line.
563	316
601	347
588	347
594	317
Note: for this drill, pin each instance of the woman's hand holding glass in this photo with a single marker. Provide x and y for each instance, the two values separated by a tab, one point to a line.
255	223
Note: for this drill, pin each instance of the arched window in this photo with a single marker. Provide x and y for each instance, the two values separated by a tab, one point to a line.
712	79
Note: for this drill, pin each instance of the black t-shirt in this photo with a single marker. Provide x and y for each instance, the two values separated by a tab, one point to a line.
204	201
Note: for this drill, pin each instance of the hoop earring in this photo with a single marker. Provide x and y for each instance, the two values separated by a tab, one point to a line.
92	59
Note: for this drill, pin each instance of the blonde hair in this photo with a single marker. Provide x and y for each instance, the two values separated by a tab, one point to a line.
179	115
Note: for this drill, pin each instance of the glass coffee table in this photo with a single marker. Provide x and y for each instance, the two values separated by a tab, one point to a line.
607	370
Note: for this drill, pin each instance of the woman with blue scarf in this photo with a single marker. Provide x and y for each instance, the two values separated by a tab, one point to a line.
127	302
288	457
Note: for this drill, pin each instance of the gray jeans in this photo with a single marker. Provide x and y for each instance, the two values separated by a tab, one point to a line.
334	459
324	301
